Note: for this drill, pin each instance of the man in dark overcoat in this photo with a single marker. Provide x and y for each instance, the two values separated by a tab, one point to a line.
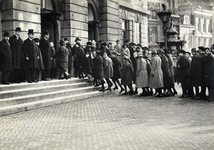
6	61
17	55
208	76
195	75
79	60
30	56
46	54
182	72
98	71
70	57
75	49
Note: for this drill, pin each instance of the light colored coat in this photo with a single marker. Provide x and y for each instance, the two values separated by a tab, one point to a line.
156	76
142	79
108	67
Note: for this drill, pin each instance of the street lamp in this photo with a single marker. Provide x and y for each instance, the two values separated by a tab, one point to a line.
164	17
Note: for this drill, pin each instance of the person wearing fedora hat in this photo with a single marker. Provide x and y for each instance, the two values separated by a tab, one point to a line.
182	72
30	56
46	54
16	49
5	59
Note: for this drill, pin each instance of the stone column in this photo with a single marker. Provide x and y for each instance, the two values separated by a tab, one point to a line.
110	25
75	22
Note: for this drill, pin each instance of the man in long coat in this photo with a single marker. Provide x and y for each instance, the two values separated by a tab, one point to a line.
46	54
182	72
208	74
6	61
98	72
70	57
30	56
17	55
108	70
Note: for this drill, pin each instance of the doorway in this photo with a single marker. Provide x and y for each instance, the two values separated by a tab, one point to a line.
92	23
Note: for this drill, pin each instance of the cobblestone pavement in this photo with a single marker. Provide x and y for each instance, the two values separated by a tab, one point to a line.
112	122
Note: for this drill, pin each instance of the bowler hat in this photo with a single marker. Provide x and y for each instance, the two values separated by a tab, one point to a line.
18	29
30	31
65	39
77	39
89	43
36	39
202	48
181	51
6	34
193	50
45	32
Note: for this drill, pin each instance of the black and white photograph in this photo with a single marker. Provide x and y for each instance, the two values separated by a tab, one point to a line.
106	74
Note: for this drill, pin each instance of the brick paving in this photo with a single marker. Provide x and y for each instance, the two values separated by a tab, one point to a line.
112	122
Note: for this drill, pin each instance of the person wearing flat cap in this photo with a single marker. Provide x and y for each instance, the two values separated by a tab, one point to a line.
46	54
5	59
16	49
30	56
182	72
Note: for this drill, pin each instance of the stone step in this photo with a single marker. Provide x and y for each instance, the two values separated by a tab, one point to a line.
17	86
42	89
48	102
81	89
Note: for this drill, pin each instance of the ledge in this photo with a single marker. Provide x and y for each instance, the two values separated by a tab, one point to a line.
134	8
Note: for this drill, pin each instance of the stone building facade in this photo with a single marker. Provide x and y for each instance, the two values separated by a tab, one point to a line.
106	20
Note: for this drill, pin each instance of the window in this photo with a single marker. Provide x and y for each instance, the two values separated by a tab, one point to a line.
136	32
186	19
152	34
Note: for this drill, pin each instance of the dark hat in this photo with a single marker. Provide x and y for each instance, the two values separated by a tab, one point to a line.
188	52
104	43
6	34
61	42
154	52
207	48
139	45
65	39
117	41
30	31
109	43
181	51
45	32
202	48
89	43
99	41
77	39
18	29
36	39
133	44
166	51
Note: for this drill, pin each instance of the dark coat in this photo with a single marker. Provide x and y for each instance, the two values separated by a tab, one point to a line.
39	59
44	46
70	57
127	73
196	71
165	66
79	57
88	65
29	49
62	55
208	71
182	67
53	61
16	50
5	56
98	64
117	68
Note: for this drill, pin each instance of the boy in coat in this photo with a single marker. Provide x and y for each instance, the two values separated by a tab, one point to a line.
6	61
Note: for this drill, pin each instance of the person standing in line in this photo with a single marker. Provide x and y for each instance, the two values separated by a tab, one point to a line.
182	72
156	74
79	60
39	61
98	72
190	92
53	71
127	75
17	56
118	47
62	54
70	57
6	61
125	51
30	55
108	70
75	49
46	54
196	70
208	77
88	65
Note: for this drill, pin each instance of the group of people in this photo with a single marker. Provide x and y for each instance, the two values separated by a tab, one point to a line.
154	71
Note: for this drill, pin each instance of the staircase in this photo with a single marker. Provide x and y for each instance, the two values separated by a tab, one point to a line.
27	96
